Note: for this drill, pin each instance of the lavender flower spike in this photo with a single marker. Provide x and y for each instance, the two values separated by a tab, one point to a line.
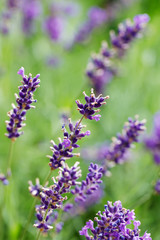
101	67
51	197
91	106
127	32
24	103
64	150
112	224
124	141
90	185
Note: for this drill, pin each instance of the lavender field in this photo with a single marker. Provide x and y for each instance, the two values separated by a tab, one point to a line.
79	120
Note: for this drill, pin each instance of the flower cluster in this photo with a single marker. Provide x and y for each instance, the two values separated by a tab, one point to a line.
91	106
116	153
31	10
123	142
112	224
127	32
24	103
90	185
64	150
101	67
55	23
153	142
96	17
51	197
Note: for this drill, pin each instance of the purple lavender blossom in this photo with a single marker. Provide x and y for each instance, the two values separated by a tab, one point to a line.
51	197
116	153
64	150
112	224
5	20
35	189
90	185
157	186
101	67
31	10
92	103
96	17
127	32
153	142
54	26
13	3
4	179
44	221
123	142
24	101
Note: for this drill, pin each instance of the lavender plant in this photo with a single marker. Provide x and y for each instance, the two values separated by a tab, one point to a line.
97	17
51	197
112	224
109	155
101	67
24	101
17	114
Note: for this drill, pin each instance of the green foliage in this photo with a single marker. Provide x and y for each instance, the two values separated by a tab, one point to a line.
134	91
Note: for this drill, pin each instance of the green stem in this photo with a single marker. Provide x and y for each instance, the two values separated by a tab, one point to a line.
10	156
29	218
80	121
47	177
38	235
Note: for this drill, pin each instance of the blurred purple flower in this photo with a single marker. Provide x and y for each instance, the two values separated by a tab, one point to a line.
13	3
53	61
54	26
31	10
96	17
153	142
101	67
157	186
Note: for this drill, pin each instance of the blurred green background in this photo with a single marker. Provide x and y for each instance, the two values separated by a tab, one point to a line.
135	91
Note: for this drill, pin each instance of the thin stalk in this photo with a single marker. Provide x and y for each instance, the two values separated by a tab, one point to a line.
38	235
29	218
79	121
10	156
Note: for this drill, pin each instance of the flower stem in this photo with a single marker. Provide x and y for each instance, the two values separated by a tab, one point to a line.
29	218
38	235
10	156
